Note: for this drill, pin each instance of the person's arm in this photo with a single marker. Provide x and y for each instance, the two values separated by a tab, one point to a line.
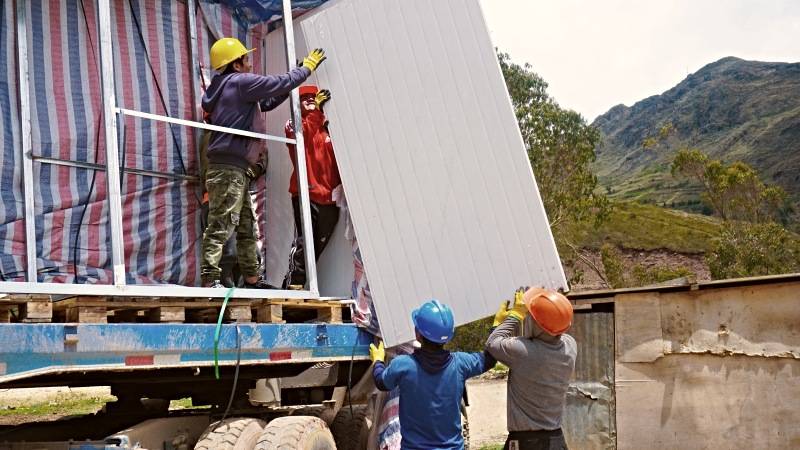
503	345
272	102
476	363
255	88
388	377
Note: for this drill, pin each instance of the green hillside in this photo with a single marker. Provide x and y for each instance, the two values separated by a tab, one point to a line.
731	109
645	227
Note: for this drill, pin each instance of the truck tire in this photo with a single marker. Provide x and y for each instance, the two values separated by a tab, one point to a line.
296	433
351	430
314	411
238	433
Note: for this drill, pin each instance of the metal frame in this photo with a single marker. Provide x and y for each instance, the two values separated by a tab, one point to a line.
112	169
300	149
112	150
27	146
191	9
95	166
145	290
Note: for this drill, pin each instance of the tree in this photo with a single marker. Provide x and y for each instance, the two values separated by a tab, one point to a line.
734	191
751	243
560	147
746	250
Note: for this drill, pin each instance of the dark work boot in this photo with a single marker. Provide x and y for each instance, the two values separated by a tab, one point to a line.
260	284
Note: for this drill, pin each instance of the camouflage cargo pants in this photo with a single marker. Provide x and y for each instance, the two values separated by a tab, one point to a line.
230	209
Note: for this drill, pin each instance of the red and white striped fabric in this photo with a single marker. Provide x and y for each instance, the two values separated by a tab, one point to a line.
153	73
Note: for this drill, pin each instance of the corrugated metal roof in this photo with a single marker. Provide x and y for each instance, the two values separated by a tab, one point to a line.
437	177
716	284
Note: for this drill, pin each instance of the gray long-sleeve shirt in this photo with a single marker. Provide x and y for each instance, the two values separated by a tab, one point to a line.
538	378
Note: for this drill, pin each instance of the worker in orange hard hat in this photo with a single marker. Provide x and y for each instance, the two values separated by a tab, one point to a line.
323	177
232	100
540	360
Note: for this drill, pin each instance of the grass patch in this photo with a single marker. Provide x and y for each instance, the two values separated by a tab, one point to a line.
61	406
185	403
492	447
646	227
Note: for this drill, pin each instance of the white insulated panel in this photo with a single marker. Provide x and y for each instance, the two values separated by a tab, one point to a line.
436	174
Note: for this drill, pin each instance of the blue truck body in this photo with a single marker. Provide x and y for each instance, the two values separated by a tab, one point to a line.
30	350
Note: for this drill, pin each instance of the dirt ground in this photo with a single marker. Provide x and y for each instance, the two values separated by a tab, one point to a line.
52	403
486	412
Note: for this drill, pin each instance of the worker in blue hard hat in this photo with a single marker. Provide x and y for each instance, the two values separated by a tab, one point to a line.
431	381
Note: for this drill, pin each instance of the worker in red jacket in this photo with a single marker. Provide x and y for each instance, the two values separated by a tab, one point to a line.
323	178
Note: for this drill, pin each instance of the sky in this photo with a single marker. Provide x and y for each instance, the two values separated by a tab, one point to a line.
596	54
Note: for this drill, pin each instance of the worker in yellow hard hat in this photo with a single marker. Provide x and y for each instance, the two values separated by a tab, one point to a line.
232	100
540	363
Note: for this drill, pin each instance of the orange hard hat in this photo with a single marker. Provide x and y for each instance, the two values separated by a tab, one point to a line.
550	309
308	89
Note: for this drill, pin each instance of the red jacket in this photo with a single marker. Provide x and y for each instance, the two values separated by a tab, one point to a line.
323	173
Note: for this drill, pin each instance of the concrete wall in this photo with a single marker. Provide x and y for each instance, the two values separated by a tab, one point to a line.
714	368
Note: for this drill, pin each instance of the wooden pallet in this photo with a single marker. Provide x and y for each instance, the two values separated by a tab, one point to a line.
90	309
26	308
279	311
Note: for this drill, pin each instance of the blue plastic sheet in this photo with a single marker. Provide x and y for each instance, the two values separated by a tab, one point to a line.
250	12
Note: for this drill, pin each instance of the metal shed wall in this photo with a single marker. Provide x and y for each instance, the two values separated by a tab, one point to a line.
437	177
589	415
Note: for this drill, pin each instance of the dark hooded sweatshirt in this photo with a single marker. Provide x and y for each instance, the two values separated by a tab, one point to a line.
232	100
431	384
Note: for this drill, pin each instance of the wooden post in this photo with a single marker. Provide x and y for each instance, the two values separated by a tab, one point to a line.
238	314
267	313
172	314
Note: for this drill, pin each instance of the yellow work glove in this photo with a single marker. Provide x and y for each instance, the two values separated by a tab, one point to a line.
519	310
377	353
321	98
314	59
501	314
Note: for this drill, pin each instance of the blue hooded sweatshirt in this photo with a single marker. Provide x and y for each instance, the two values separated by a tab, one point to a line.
233	99
431	384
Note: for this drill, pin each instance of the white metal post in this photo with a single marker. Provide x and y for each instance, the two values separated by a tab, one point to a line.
302	176
112	146
265	161
27	145
191	7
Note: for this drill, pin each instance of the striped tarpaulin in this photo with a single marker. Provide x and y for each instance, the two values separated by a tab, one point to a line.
12	230
153	73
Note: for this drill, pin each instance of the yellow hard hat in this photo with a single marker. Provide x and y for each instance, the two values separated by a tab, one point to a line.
226	51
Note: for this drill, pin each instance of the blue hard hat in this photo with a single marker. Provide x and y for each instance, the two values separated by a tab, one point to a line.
434	321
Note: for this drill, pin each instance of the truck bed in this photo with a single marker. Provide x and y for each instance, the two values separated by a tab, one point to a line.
44	354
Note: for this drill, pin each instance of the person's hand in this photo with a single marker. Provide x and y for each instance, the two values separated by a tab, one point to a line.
501	314
519	310
314	59
321	98
377	353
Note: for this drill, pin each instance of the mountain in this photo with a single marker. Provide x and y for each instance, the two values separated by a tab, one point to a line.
731	109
